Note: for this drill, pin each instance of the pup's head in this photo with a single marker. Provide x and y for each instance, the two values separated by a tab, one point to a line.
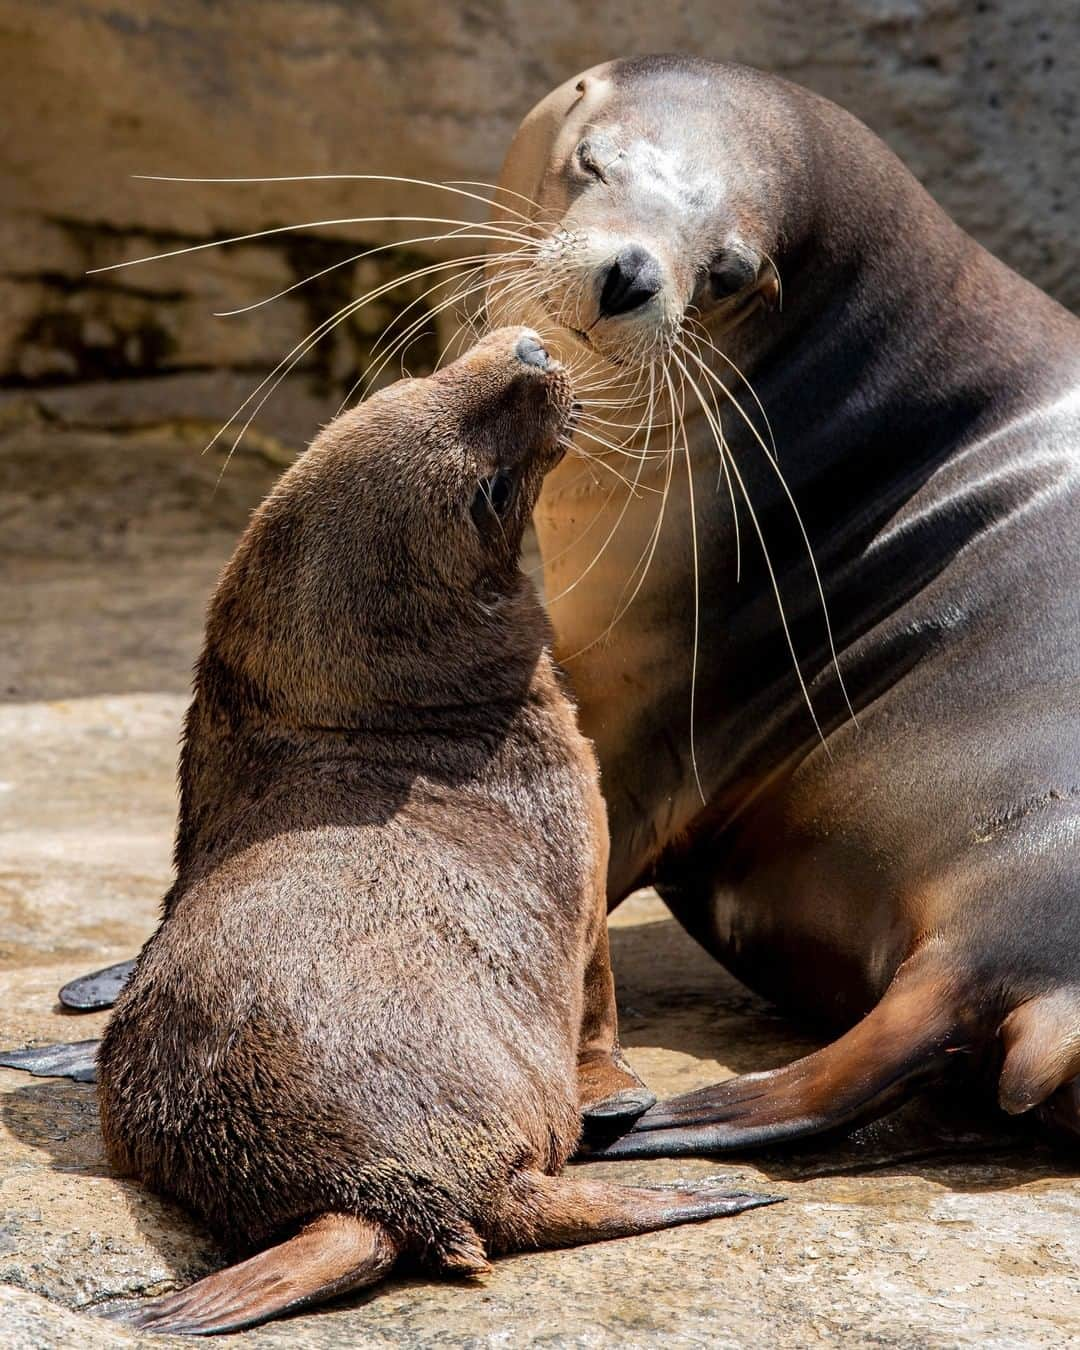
384	566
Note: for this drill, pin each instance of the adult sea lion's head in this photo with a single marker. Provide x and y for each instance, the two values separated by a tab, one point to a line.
660	187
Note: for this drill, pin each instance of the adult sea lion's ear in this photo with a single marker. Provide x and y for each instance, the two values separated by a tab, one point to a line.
731	271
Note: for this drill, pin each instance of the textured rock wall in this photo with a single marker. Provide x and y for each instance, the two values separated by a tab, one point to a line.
979	96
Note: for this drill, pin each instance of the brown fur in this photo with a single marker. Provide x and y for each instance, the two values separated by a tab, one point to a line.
364	1007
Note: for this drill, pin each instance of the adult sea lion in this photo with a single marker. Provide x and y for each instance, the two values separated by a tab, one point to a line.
913	876
913	871
380	994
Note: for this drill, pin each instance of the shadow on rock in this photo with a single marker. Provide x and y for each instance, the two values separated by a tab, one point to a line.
672	994
60	1118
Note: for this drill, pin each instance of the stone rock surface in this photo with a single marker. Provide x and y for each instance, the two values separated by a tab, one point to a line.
935	1228
978	96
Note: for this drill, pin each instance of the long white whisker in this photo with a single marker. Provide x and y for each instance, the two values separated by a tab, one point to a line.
340	177
697	615
463	233
373	371
712	417
644	561
704	337
799	520
512	236
634	488
772	573
494	187
305	344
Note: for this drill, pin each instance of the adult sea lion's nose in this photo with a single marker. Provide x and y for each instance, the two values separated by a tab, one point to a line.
632	279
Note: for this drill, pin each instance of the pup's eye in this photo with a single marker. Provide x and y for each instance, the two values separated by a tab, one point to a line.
494	496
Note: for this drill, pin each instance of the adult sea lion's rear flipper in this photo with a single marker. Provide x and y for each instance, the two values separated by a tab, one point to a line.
100	989
77	1060
568	1210
330	1256
906	1039
1041	1039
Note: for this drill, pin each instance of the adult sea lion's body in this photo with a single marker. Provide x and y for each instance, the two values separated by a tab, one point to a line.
915	875
380	995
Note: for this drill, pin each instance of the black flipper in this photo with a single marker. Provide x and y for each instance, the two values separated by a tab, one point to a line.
77	1060
100	989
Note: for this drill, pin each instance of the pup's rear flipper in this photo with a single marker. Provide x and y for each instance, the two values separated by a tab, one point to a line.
568	1211
100	989
77	1060
332	1255
905	1040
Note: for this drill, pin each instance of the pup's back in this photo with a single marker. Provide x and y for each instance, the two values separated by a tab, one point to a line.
371	1008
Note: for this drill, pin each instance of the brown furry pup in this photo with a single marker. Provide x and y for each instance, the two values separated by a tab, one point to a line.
380	995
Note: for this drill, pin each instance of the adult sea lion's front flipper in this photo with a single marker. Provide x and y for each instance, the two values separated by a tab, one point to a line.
77	1060
100	989
1061	1110
909	1036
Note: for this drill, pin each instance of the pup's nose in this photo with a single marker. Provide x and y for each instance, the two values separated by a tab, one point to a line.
531	350
633	278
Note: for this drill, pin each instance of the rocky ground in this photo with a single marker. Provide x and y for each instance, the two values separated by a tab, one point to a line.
932	1229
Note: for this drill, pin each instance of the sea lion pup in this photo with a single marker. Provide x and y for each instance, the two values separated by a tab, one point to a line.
380	991
913	878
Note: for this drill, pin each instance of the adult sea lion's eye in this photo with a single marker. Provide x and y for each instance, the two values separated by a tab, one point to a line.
587	161
729	274
493	496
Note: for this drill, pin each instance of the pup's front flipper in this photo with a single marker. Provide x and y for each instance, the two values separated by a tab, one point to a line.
100	989
611	1094
77	1060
